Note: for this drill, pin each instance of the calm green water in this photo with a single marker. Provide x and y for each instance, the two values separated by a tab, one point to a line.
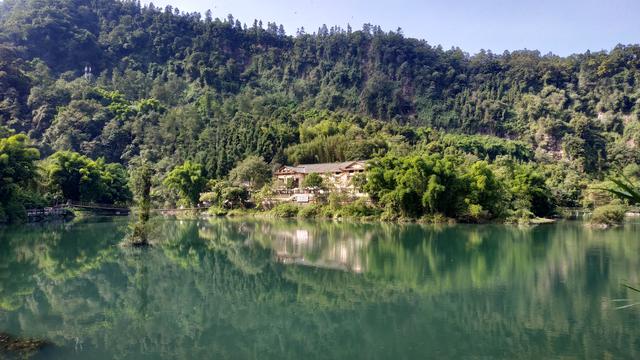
250	289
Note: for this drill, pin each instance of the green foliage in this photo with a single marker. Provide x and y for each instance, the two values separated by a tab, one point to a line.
330	137
310	211
262	199
566	184
528	189
217	211
220	91
76	177
313	181
612	214
358	209
170	87
485	195
489	147
140	182
235	196
286	210
224	194
188	180
414	185
62	176
418	185
252	170
625	190
17	177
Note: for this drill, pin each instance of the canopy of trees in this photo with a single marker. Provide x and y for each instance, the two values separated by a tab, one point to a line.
188	180
252	171
17	175
26	182
121	81
76	177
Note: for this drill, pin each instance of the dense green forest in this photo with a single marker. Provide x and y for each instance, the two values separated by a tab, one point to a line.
111	83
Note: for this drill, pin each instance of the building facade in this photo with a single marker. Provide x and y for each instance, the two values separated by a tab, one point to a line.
338	175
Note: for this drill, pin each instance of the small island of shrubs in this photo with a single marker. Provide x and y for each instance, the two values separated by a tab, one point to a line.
608	215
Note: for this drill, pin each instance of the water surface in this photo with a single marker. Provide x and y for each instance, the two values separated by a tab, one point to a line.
257	289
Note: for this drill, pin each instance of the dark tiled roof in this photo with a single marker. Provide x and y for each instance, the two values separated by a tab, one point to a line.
319	168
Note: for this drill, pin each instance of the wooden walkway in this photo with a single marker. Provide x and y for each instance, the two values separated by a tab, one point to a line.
61	209
94	206
48	211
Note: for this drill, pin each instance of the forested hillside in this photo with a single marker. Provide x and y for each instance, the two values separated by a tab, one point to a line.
118	80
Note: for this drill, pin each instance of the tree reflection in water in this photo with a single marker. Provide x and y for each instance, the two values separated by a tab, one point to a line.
277	289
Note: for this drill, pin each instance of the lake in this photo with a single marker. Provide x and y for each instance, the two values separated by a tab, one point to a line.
275	289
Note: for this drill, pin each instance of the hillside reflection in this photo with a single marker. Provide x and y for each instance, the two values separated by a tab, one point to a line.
276	289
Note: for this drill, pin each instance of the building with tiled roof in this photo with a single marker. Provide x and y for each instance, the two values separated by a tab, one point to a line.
338	174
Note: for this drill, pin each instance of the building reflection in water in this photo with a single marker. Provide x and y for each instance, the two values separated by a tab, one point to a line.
314	248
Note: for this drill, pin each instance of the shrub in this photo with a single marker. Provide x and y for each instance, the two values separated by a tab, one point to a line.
337	200
262	199
313	180
217	211
520	216
327	212
310	211
475	213
238	212
436	219
252	170
612	214
389	215
286	210
359	208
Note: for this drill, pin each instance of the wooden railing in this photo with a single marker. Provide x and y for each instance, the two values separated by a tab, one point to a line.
61	209
48	211
90	205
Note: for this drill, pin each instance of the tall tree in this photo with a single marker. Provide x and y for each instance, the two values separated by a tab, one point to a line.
253	170
188	180
17	171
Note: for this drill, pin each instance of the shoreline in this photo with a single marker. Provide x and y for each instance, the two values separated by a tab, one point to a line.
271	214
434	219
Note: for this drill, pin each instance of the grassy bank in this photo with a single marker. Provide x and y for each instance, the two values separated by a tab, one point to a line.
356	211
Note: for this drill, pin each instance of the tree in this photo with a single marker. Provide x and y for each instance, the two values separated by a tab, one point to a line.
313	181
252	170
416	185
188	180
528	190
223	193
234	196
485	194
17	172
112	79
76	177
140	183
76	127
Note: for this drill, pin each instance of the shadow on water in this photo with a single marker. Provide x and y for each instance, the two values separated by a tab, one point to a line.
289	289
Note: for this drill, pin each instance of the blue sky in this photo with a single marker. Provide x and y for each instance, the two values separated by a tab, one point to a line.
561	26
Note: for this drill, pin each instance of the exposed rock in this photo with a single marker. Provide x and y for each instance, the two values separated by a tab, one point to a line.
11	344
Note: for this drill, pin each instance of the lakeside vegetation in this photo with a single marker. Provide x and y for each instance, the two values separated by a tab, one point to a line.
90	91
435	180
29	183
